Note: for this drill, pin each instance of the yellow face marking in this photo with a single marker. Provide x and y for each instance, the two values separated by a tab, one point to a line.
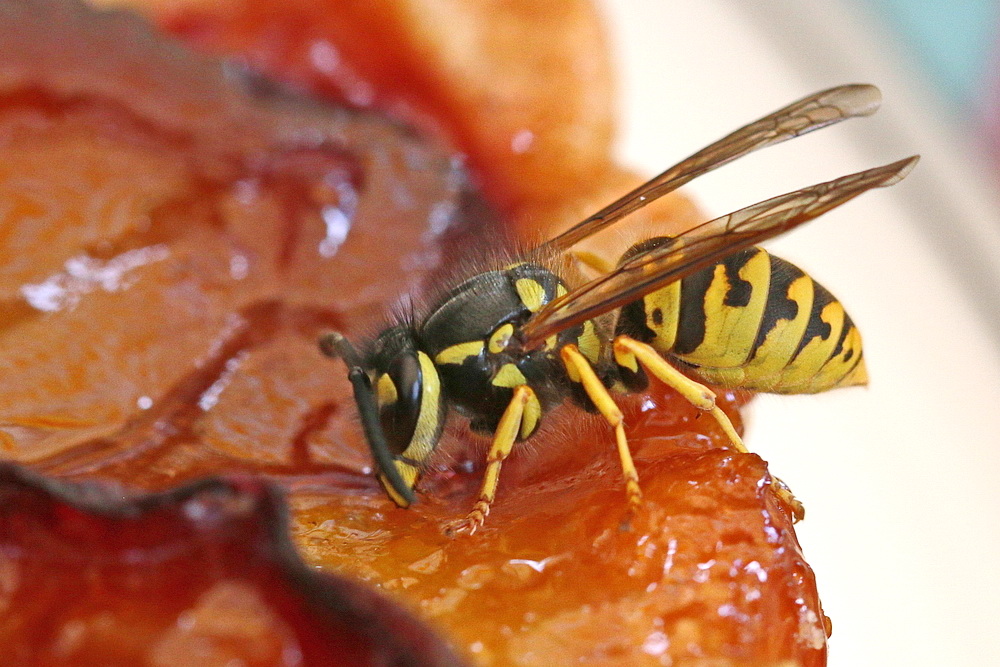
560	290
459	352
509	375
425	435
531	293
386	390
500	338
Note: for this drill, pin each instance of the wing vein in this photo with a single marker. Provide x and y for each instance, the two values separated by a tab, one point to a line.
811	113
703	246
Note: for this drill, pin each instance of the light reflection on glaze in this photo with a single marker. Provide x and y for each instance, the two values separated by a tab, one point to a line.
536	565
337	226
84	274
338	218
668	563
753	567
656	643
210	396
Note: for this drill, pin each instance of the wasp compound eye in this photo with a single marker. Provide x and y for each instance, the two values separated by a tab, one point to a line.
410	414
399	392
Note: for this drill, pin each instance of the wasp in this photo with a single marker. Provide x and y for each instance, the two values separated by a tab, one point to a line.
507	345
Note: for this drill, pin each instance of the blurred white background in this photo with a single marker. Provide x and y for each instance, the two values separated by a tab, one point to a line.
901	481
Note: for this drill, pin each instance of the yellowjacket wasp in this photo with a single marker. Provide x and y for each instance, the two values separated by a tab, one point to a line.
508	344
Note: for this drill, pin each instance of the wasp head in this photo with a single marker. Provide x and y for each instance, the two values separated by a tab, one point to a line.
398	394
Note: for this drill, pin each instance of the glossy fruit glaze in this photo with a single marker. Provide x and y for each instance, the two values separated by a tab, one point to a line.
177	242
202	575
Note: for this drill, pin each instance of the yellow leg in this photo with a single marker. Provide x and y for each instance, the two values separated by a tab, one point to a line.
630	353
503	442
581	371
592	261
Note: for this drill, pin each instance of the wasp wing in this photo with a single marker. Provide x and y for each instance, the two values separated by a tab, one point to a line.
701	247
811	113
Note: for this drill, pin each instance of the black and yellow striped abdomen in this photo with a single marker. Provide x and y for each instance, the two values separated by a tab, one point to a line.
753	321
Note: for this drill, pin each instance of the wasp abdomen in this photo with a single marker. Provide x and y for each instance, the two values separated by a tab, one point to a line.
753	321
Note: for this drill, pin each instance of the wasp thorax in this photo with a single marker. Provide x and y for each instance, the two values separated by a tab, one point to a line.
472	337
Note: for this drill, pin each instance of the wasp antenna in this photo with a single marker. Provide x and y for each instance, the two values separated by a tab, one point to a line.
334	345
364	397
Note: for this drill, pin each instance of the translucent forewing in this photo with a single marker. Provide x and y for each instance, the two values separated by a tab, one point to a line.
810	113
702	246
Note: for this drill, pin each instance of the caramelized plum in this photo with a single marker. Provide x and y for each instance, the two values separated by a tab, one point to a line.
176	233
203	575
169	225
525	88
708	571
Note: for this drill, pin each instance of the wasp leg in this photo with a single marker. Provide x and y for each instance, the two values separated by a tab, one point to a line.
594	262
629	352
581	371
503	441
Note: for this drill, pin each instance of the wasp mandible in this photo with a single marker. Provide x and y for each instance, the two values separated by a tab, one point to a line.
506	345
